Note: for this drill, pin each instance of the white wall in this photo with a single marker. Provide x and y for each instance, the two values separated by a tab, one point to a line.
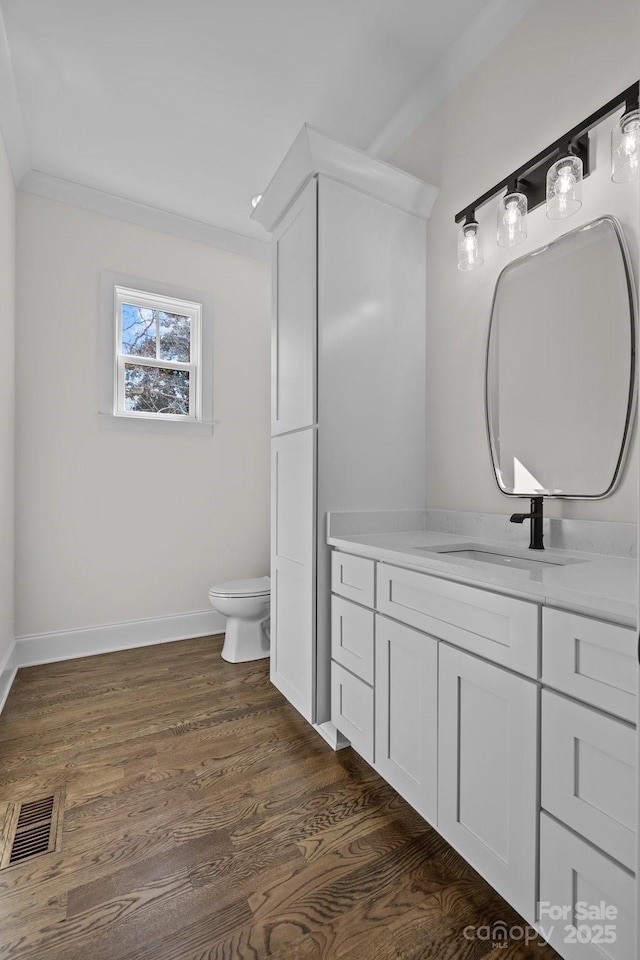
115	526
7	385
559	64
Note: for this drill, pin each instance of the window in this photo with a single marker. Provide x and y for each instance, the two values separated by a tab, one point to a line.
157	356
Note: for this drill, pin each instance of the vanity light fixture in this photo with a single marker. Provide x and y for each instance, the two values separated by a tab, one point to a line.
512	218
555	175
469	253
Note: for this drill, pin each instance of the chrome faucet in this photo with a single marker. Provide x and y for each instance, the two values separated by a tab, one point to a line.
536	516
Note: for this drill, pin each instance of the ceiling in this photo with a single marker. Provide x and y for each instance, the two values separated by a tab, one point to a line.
188	106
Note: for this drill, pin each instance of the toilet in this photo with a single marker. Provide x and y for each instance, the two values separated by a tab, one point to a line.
245	604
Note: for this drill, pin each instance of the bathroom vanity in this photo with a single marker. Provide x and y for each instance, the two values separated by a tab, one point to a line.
500	702
492	686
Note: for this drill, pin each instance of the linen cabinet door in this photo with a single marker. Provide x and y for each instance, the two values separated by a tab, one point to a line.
293	342
487	772
406	713
293	623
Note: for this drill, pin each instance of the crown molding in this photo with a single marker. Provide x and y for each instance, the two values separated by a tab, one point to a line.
78	195
15	140
313	152
472	47
110	205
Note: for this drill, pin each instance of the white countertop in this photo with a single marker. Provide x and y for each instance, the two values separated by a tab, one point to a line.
597	585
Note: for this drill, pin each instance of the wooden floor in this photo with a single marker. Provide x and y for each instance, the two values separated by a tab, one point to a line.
205	820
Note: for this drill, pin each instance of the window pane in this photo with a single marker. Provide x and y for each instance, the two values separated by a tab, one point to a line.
138	330
156	390
175	336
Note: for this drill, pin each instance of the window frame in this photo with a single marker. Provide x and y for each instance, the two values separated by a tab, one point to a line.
164	304
110	418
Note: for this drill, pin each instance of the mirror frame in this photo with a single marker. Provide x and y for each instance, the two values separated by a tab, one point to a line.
632	393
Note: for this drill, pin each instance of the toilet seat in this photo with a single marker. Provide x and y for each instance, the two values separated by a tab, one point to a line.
256	587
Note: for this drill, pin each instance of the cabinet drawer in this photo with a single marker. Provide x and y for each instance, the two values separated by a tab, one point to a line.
573	872
353	578
352	710
352	637
493	626
589	774
591	660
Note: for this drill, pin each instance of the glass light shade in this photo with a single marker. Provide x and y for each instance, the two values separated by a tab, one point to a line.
512	220
625	148
469	253
564	188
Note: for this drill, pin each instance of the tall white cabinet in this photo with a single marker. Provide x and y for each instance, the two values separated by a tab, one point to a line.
348	369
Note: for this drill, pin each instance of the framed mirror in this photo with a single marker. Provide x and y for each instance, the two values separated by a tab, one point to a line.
560	377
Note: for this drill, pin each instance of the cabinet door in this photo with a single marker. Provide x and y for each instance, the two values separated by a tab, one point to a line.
487	772
406	713
293	568
293	358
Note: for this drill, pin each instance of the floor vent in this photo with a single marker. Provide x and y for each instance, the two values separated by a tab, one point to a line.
32	828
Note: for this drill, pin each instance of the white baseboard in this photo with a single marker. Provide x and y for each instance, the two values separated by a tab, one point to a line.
8	670
86	642
89	641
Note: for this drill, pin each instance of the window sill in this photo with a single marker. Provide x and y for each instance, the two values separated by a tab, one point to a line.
108	421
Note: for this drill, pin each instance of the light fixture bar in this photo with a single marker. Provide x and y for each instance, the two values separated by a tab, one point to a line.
532	175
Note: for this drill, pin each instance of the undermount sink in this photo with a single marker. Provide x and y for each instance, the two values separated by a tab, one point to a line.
482	554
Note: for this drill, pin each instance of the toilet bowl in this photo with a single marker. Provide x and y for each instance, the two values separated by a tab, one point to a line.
245	604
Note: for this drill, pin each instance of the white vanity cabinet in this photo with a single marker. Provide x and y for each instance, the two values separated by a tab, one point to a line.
506	724
453	733
348	379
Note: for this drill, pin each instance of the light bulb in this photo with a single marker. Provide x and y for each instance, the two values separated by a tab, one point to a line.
625	148
256	200
469	255
512	220
564	188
